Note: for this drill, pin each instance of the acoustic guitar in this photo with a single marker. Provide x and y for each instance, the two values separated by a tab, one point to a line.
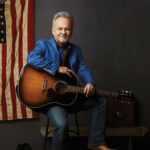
37	88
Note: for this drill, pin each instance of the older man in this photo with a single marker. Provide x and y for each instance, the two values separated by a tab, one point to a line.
58	55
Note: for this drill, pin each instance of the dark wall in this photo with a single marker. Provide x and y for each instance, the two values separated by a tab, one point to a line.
114	37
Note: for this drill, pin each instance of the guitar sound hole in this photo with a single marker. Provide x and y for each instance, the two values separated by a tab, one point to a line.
60	87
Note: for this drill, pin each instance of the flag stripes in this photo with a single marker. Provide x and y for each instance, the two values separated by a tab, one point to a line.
13	54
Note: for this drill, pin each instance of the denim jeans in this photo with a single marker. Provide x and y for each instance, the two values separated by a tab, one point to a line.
58	117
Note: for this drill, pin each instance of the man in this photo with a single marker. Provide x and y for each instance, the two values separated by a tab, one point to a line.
57	55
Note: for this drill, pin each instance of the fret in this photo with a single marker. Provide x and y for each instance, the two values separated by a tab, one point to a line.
75	89
106	93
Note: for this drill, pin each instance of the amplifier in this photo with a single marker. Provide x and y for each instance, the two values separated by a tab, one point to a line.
120	113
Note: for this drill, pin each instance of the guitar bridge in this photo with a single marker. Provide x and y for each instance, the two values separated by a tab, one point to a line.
44	87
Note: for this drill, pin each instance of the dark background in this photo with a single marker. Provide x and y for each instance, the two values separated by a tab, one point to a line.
114	36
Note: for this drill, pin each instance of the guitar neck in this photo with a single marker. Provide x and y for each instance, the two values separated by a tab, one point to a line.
80	90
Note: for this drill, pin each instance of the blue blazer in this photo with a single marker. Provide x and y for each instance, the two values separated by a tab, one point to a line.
46	56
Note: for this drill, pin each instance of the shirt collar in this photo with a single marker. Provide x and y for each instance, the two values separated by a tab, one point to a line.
68	45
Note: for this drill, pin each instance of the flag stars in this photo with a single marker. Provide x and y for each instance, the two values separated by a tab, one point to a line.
2	32
2	40
2	23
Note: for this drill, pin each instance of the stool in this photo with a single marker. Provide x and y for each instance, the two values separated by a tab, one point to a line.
77	131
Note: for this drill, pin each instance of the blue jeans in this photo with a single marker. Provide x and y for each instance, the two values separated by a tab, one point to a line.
58	117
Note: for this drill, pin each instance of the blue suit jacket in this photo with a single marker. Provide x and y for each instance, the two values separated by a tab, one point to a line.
46	56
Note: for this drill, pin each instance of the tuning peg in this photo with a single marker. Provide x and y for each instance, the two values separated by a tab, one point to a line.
126	92
122	101
123	91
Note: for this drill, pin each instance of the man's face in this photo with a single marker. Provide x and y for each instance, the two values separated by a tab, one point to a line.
62	30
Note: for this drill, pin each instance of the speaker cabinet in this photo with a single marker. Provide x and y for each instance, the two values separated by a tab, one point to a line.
120	113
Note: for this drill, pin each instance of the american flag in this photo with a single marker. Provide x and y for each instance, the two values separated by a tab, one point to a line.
16	41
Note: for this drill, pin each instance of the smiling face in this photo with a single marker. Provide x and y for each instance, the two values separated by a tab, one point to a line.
62	30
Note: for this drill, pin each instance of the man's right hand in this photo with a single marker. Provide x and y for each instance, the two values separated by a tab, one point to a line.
65	70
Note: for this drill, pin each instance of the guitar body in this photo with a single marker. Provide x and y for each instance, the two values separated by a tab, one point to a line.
36	88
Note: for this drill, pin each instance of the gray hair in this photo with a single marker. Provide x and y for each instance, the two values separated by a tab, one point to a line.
62	14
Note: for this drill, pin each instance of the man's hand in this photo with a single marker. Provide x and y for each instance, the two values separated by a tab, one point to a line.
89	90
65	70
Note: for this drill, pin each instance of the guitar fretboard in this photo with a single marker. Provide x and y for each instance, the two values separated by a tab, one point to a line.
76	89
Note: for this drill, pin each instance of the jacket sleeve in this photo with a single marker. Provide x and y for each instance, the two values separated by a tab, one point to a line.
36	58
83	72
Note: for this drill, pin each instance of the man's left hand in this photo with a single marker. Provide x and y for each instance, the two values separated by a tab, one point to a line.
89	90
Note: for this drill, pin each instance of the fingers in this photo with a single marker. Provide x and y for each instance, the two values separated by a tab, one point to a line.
65	70
69	74
89	90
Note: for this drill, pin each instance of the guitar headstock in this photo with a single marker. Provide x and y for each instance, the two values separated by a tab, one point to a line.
126	95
